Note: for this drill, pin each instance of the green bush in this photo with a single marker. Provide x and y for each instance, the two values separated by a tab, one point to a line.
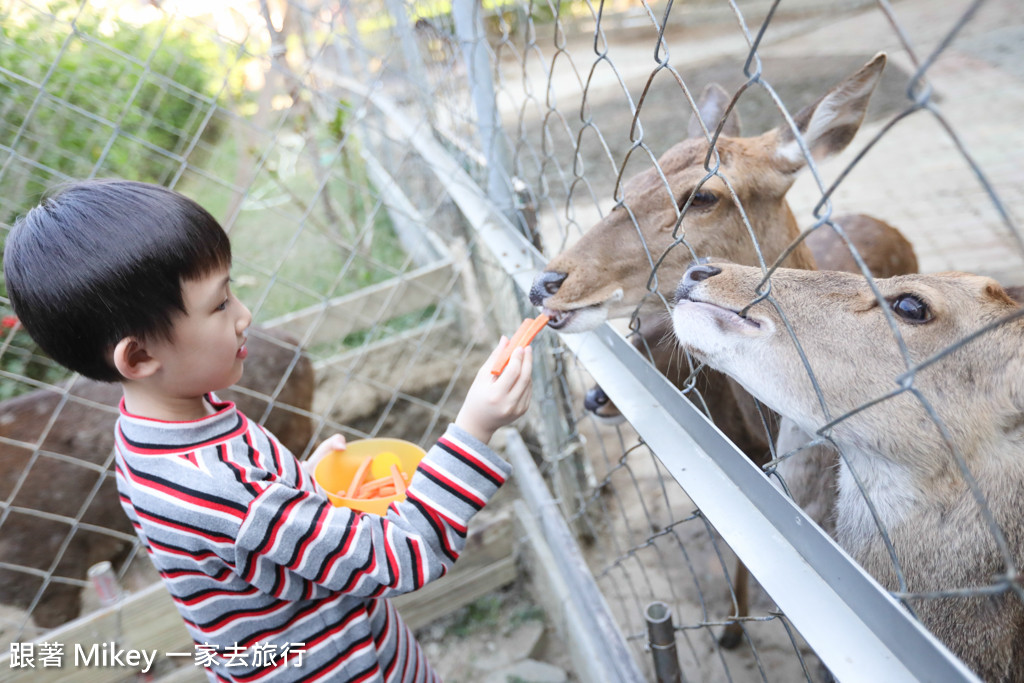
84	94
99	96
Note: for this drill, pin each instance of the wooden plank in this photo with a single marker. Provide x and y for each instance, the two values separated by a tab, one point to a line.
562	581
367	355
551	589
339	317
420	242
146	620
458	589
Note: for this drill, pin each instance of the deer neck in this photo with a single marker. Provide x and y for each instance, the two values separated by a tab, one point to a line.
776	241
902	494
891	487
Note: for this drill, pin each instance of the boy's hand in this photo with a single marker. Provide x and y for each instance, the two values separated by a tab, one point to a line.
494	402
331	443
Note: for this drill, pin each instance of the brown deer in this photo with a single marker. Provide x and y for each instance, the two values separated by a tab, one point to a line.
62	463
905	461
606	273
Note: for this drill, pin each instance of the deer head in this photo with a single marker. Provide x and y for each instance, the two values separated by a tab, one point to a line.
606	273
977	390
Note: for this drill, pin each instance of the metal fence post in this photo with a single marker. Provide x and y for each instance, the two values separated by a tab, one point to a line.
417	76
661	637
473	42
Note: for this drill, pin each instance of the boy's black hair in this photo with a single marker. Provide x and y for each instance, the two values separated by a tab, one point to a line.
101	260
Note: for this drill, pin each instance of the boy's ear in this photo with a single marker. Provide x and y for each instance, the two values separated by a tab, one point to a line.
132	360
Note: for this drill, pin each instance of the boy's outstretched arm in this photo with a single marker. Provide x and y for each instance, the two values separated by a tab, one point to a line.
494	402
294	544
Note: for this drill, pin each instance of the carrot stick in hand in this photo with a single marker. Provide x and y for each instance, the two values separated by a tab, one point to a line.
534	329
503	359
528	329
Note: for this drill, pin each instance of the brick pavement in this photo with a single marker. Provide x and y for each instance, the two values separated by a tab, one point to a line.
915	177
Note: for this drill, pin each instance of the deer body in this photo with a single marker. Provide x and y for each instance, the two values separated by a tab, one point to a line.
905	462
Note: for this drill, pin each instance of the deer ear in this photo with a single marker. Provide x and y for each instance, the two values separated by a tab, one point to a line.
711	105
829	124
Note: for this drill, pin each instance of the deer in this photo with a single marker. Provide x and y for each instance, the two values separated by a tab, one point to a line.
606	273
901	455
68	467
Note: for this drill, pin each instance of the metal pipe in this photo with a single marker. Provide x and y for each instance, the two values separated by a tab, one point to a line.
473	40
661	638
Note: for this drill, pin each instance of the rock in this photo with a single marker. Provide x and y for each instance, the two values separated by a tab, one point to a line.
520	643
528	671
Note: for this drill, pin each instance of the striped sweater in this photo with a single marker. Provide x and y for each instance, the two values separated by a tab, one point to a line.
264	570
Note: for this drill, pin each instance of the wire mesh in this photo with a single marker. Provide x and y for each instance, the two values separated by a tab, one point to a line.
285	142
616	124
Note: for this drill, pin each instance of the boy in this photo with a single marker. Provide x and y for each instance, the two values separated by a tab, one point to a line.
128	282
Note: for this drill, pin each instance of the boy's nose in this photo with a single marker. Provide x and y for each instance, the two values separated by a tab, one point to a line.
245	319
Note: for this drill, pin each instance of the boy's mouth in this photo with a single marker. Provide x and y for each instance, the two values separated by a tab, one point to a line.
243	350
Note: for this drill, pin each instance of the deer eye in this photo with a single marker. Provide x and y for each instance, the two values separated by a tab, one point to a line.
911	308
702	199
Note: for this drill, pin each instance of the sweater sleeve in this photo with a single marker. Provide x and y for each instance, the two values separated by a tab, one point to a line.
295	545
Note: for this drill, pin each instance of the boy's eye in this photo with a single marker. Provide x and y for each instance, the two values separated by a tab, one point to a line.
223	305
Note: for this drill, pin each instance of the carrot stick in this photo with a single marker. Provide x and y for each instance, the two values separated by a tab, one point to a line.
370	488
522	338
377	483
357	478
381	491
396	476
503	359
534	329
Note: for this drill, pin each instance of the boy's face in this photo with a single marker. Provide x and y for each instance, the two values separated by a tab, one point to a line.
207	345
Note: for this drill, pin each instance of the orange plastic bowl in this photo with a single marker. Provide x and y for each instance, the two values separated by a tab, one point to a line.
335	471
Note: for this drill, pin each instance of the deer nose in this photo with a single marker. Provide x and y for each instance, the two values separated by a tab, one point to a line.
595	399
546	284
694	275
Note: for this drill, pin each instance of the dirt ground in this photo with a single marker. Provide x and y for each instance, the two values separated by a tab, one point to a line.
491	634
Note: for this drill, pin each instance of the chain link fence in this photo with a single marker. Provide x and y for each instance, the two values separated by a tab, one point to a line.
395	176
